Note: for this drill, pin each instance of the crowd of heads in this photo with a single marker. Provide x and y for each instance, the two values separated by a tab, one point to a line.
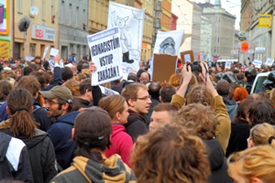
186	114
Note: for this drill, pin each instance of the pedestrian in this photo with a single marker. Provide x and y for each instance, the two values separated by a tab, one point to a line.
21	125
122	143
92	132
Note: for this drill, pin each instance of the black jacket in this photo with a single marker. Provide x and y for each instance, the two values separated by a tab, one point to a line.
217	162
85	103
136	125
40	116
11	165
41	153
238	137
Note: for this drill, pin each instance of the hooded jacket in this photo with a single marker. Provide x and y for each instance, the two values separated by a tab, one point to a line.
122	143
85	170
218	163
41	153
61	136
136	125
231	107
14	159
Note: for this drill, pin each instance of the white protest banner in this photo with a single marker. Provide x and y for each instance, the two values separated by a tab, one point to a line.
107	55
28	58
227	65
257	63
54	52
168	42
269	62
51	62
130	22
108	91
45	52
260	50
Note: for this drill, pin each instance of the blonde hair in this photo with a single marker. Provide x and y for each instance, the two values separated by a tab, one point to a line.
272	95
255	162
261	134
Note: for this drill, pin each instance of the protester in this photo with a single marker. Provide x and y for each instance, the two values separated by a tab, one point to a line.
86	92
207	95
262	134
166	92
162	115
175	80
60	105
20	125
74	86
5	88
93	128
13	165
239	129
122	143
240	94
138	100
260	112
255	164
223	89
200	120
144	78
170	154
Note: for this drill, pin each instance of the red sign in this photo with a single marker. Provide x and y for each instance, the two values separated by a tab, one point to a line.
244	47
39	33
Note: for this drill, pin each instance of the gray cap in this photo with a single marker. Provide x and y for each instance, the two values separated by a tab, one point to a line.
61	92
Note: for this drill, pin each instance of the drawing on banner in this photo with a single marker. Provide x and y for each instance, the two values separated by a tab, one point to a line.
129	20
167	46
227	65
107	55
168	42
269	62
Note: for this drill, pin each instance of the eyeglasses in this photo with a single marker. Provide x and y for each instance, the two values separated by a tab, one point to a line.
51	103
144	98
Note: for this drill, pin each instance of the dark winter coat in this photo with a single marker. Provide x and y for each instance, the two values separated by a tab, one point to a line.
136	125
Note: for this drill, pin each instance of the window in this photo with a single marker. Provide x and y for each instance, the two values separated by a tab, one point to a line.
19	6
217	49
218	39
32	49
159	5
52	11
158	23
215	39
62	10
43	7
84	17
77	17
70	15
214	49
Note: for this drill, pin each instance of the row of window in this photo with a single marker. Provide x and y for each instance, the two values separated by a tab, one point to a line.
216	49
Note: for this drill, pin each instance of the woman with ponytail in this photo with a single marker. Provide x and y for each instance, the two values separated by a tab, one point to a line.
21	125
262	134
92	133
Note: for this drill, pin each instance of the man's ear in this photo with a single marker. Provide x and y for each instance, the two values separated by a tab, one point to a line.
131	102
65	106
256	180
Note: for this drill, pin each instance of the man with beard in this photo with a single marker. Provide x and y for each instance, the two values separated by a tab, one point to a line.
60	106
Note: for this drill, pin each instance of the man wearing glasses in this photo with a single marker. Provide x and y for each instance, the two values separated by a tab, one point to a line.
138	100
60	106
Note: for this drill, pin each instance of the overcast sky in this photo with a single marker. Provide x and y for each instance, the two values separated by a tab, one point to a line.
231	6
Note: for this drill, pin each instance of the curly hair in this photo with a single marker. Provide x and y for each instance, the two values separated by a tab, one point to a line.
170	155
198	119
200	94
240	93
7	74
255	162
5	88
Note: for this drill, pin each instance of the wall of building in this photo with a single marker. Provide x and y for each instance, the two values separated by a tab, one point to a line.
73	15
33	44
206	41
166	15
98	15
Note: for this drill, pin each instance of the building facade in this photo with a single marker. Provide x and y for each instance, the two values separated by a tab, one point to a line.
189	20
73	18
206	39
147	41
42	32
258	36
166	15
223	31
157	20
98	15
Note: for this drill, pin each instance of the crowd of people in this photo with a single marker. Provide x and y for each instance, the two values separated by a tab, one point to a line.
202	126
